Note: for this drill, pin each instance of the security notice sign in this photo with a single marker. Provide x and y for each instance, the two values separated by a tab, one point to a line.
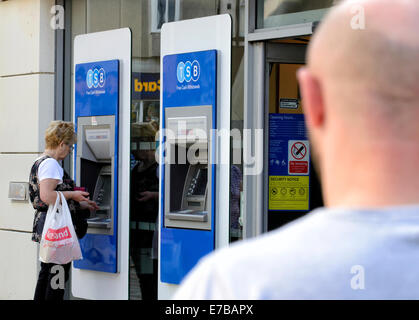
288	193
289	163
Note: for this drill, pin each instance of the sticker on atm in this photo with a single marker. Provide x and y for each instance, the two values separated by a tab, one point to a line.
289	193
97	134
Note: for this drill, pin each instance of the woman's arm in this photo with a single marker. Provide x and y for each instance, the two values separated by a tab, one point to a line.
47	190
49	195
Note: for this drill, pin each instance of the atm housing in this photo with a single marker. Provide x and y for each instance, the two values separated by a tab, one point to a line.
96	163
96	168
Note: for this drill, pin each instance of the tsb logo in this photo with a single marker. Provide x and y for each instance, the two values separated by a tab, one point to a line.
188	71
95	78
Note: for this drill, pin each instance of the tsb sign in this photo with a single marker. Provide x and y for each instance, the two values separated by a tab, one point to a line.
95	78
187	71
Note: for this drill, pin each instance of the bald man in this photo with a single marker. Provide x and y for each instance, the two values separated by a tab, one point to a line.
361	100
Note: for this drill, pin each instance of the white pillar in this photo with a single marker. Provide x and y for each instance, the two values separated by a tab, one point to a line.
26	108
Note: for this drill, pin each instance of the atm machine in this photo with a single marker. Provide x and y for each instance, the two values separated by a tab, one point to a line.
102	100
194	157
189	120
97	171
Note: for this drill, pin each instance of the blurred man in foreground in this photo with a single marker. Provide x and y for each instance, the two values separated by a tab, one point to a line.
361	98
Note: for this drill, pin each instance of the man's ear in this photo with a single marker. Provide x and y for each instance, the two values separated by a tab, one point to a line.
313	103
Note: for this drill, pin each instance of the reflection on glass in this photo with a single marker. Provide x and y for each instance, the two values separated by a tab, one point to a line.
274	13
144	207
236	188
166	11
144	230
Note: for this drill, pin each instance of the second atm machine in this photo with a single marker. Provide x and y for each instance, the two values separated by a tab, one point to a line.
189	120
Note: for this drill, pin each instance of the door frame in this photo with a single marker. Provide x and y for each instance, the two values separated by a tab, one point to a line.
259	52
285	53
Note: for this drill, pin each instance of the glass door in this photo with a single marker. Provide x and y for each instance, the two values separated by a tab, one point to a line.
291	183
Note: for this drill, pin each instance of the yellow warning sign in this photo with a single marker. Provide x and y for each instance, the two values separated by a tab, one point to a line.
288	192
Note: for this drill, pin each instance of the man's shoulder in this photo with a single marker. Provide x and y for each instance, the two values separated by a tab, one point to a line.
314	257
274	243
248	268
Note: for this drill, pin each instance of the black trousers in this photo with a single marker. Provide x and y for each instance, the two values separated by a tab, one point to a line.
49	286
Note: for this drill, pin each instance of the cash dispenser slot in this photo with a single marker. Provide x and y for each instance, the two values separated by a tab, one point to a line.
189	215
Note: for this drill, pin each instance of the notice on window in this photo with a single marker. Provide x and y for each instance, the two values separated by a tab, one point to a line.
288	193
289	163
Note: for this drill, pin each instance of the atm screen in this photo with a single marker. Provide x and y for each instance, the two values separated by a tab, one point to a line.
199	182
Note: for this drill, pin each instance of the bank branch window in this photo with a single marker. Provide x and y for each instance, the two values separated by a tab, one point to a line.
163	11
276	13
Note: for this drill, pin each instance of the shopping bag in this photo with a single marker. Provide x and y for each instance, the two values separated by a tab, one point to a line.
59	243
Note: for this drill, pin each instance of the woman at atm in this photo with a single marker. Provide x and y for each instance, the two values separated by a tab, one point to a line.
46	177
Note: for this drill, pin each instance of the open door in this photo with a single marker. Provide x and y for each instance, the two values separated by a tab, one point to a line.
292	187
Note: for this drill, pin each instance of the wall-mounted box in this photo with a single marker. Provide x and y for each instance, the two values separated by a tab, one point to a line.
19	191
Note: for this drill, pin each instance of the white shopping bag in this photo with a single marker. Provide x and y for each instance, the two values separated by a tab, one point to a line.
59	243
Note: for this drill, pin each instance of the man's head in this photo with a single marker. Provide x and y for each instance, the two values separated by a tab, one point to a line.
361	92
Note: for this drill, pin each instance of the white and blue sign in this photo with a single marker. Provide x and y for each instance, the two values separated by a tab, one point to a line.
96	87
282	129
189	79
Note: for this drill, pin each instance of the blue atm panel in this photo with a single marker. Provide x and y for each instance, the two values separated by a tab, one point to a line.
96	159
188	167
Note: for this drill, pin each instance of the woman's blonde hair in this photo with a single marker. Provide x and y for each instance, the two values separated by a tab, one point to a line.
59	131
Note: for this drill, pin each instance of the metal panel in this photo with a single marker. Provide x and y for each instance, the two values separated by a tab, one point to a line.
62	83
253	140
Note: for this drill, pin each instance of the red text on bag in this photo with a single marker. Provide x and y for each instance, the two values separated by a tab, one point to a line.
58	234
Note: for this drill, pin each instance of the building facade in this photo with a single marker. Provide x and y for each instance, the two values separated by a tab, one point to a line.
269	41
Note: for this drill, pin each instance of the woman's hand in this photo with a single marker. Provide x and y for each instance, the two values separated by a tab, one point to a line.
79	196
89	204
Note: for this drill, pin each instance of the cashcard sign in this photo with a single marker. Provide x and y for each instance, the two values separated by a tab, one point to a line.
145	86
